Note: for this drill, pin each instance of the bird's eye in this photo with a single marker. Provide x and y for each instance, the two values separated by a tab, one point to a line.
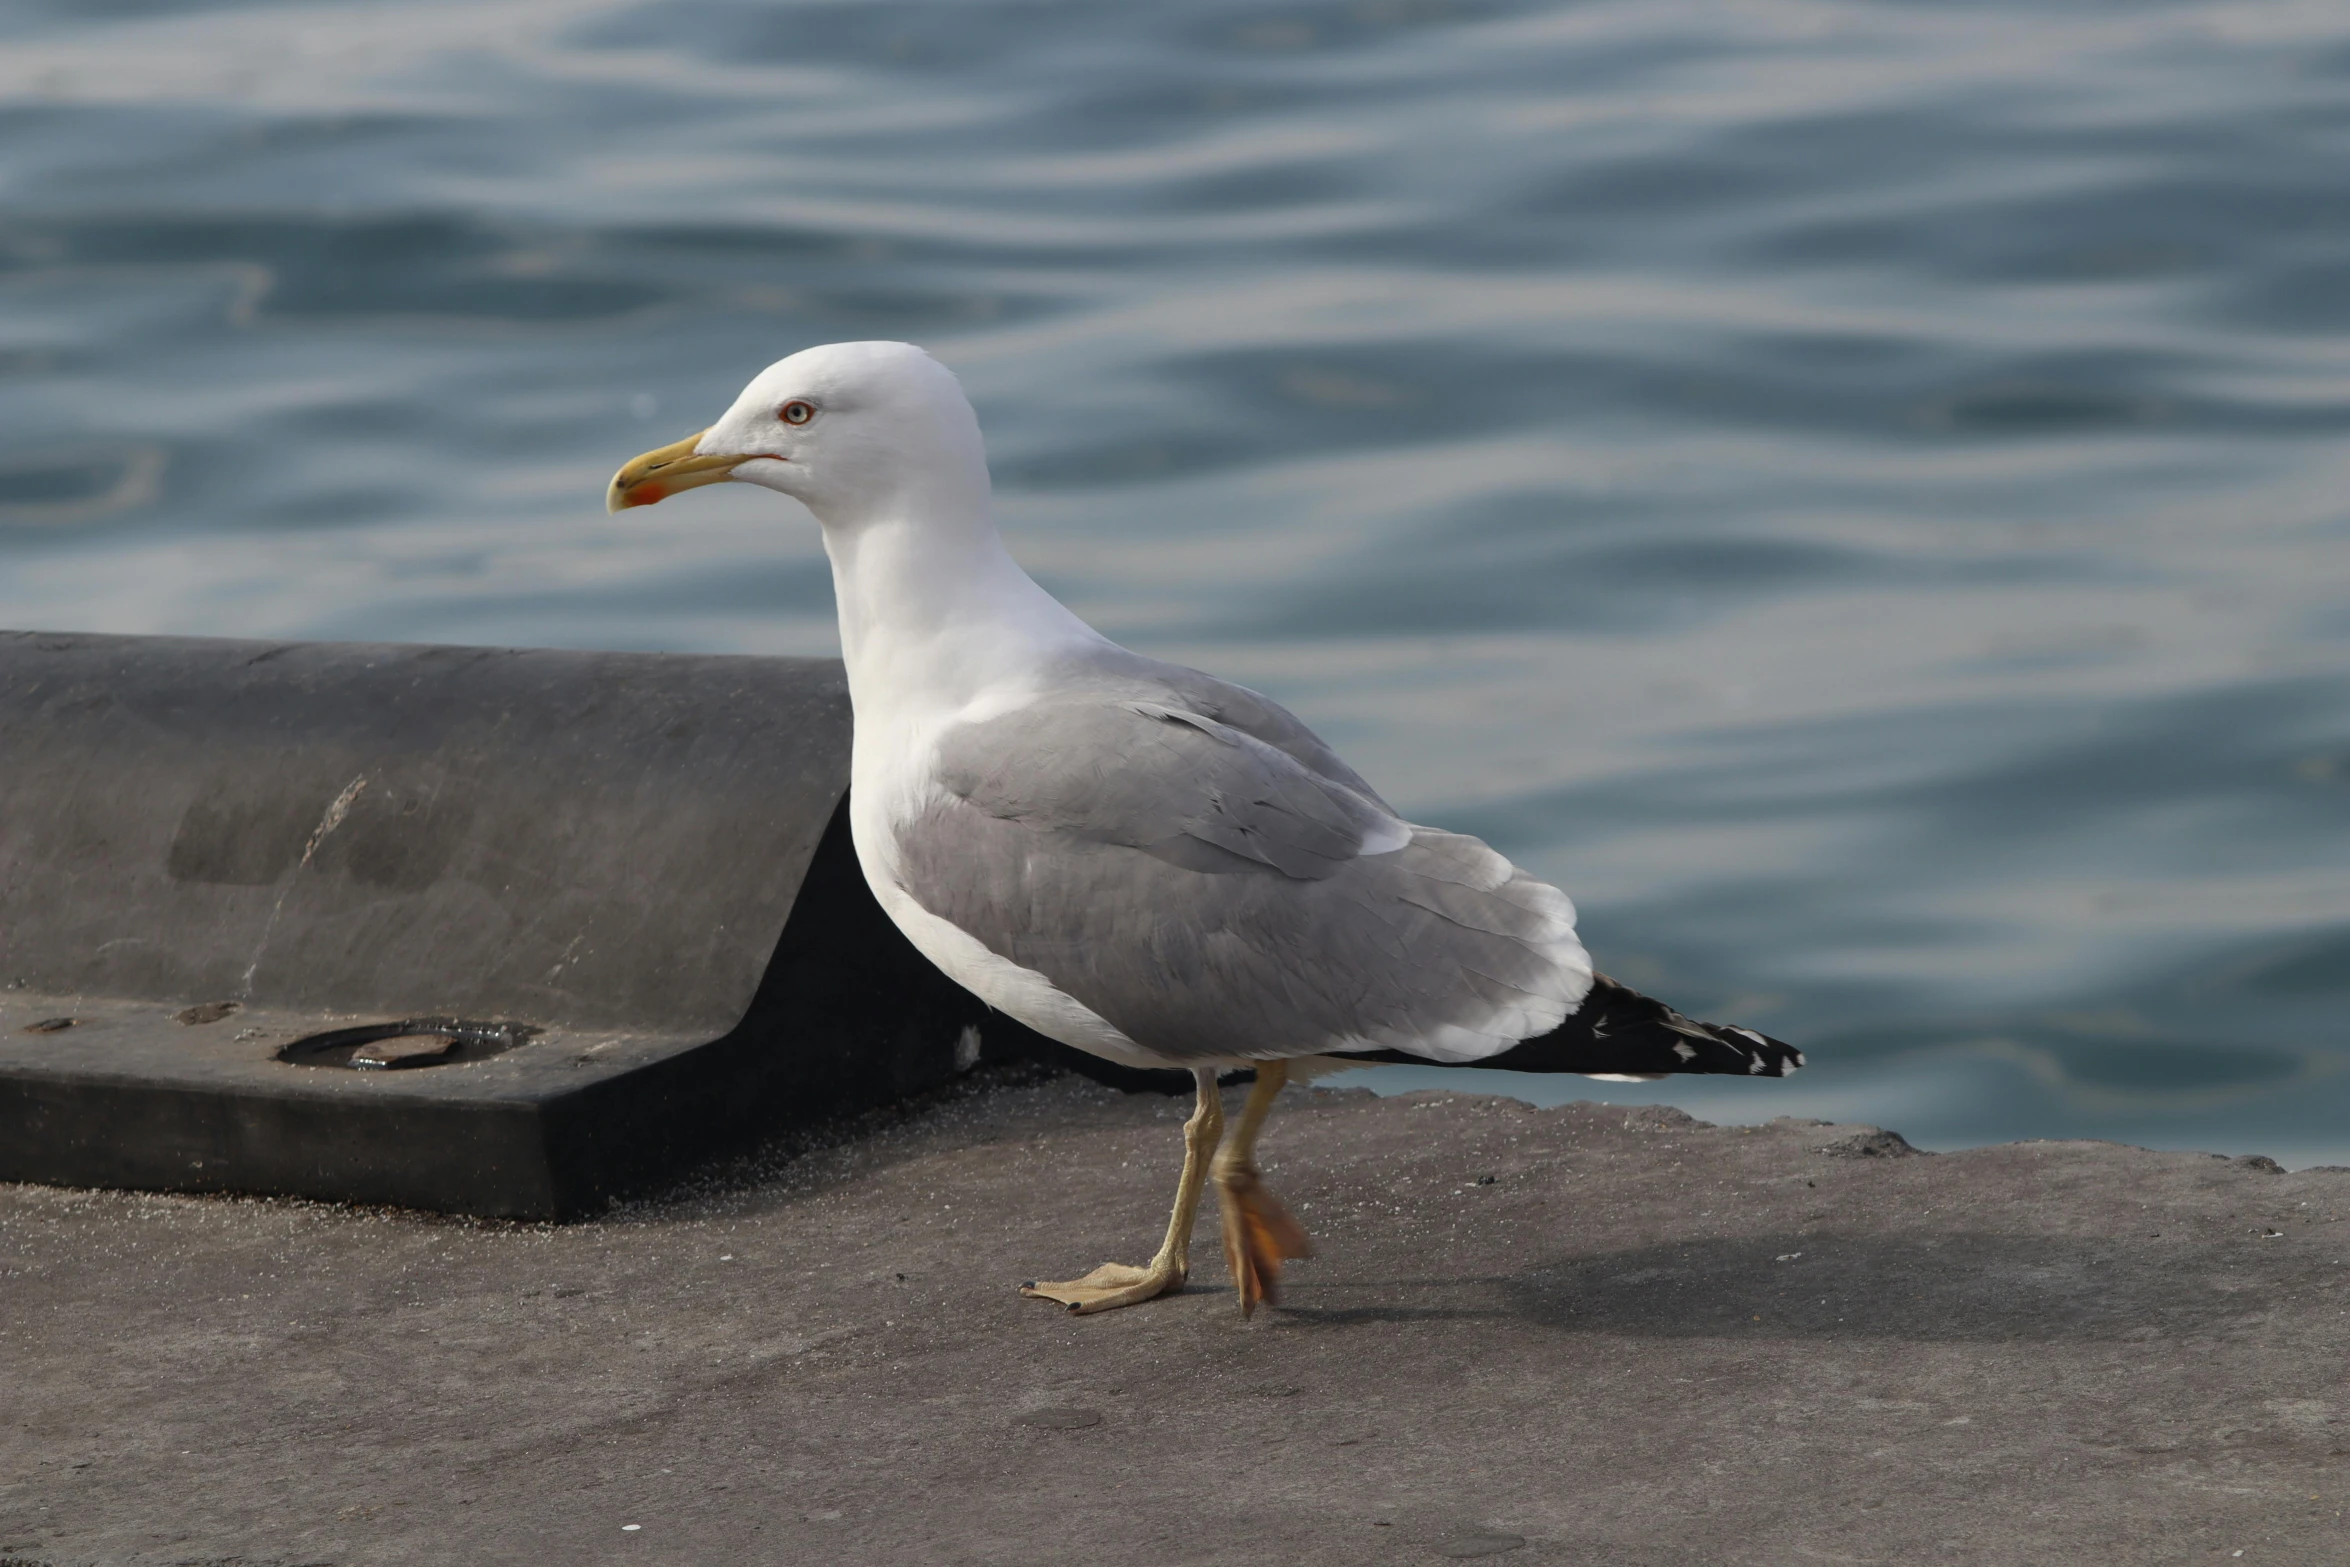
798	411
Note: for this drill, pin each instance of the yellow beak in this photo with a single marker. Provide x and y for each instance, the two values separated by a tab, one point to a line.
657	475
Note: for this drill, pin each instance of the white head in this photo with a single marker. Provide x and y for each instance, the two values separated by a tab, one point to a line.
856	431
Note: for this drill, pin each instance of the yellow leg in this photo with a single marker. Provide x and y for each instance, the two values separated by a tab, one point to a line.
1259	1234
1120	1284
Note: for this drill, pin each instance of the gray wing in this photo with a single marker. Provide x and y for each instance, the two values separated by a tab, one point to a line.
1211	894
1174	784
1113	671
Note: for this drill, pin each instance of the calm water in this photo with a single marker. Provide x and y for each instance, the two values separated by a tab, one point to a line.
1857	493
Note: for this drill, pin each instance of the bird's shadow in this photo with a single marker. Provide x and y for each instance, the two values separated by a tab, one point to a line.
1346	1316
1967	1286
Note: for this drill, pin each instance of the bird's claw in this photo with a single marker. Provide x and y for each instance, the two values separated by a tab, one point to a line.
1259	1235
1109	1286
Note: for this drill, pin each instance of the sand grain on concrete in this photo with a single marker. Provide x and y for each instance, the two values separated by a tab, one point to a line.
1588	1335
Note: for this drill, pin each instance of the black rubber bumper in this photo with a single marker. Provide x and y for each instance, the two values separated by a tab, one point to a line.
607	902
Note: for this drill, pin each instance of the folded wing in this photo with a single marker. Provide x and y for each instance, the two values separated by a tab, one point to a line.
1214	893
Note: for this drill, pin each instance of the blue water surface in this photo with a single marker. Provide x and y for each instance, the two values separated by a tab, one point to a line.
1857	493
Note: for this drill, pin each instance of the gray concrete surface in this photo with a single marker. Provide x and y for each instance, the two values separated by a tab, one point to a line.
1645	1341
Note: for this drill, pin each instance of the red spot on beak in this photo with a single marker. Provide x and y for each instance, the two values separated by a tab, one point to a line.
646	494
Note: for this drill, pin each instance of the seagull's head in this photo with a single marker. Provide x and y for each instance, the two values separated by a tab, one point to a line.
852	430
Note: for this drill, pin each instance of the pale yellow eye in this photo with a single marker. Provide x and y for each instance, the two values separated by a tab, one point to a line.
798	411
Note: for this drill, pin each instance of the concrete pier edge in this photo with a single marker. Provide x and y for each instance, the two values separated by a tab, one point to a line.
1589	1334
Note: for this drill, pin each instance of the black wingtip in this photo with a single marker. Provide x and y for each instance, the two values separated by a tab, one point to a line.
1617	1031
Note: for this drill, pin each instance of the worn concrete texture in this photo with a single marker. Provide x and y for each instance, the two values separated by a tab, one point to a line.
1586	1335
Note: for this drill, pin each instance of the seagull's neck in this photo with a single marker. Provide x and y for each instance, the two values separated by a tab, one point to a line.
935	615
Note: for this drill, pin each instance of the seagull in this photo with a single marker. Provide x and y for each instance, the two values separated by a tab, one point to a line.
1135	858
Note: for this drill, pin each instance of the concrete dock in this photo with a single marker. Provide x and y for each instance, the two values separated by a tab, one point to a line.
1587	1335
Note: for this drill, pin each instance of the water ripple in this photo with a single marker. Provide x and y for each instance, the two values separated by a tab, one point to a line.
1854	491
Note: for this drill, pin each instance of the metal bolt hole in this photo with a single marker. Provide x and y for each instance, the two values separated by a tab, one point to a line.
406	1045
